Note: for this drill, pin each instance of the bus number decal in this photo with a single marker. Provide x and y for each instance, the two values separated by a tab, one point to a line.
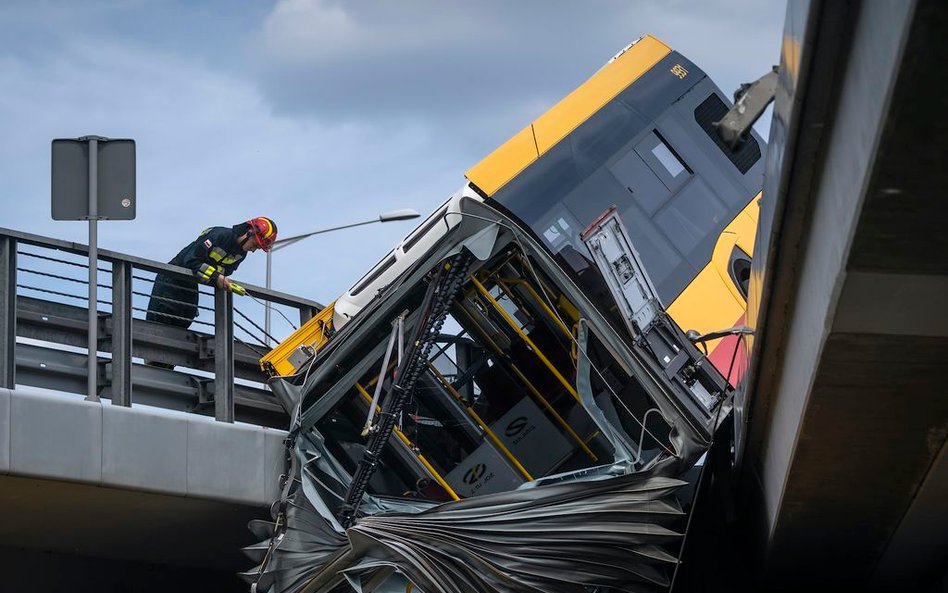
679	71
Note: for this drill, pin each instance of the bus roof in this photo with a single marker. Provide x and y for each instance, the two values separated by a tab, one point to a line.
512	157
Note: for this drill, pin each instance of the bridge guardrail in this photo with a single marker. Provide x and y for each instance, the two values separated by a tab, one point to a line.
219	369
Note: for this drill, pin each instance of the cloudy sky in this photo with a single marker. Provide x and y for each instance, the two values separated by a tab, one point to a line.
314	112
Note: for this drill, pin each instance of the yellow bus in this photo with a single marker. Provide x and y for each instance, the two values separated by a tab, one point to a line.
509	396
638	135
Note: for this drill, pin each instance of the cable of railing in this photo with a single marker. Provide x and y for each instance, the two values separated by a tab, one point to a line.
171	300
172	316
268	336
64	294
58	277
185	288
121	268
61	261
252	347
21	238
141	294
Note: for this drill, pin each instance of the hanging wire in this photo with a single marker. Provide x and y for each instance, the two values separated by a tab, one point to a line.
272	308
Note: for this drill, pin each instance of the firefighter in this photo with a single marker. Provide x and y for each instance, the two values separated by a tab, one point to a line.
212	257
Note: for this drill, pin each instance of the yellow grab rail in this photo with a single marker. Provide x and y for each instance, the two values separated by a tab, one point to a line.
536	393
480	422
513	324
533	293
401	436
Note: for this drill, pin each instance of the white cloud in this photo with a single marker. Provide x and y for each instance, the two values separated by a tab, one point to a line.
300	30
450	60
304	32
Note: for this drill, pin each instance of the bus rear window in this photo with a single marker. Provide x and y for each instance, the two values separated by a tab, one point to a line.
713	110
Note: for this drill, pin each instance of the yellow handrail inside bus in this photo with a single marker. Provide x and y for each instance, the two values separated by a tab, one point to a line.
480	422
539	396
523	336
401	436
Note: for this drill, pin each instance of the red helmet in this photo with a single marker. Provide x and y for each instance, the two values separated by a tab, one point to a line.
264	231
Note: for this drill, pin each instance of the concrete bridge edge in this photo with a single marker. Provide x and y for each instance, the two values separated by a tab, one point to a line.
63	437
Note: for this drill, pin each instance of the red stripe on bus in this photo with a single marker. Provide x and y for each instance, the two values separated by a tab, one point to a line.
731	348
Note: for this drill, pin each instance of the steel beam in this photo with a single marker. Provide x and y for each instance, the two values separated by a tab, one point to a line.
306	313
121	333
48	321
62	371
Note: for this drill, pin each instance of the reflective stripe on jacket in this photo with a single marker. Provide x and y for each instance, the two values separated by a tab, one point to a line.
215	252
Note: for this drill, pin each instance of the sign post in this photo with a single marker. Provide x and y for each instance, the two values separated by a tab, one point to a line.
93	178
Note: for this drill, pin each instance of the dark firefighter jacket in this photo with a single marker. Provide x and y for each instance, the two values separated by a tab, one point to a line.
174	299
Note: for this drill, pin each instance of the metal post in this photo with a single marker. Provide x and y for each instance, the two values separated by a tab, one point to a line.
93	394
306	313
223	355
266	316
121	333
464	358
8	312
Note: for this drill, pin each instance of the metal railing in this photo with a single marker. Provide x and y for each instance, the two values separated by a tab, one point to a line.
219	372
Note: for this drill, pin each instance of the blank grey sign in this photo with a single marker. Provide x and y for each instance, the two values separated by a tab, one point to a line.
116	179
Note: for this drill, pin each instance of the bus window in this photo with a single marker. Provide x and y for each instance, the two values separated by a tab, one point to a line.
668	159
746	153
663	161
425	227
557	234
374	275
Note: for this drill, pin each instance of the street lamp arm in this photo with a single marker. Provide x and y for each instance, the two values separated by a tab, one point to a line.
394	215
280	243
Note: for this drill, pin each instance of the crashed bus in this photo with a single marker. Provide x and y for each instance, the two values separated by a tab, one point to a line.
516	397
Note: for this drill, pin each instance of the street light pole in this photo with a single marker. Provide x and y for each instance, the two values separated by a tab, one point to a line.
402	214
